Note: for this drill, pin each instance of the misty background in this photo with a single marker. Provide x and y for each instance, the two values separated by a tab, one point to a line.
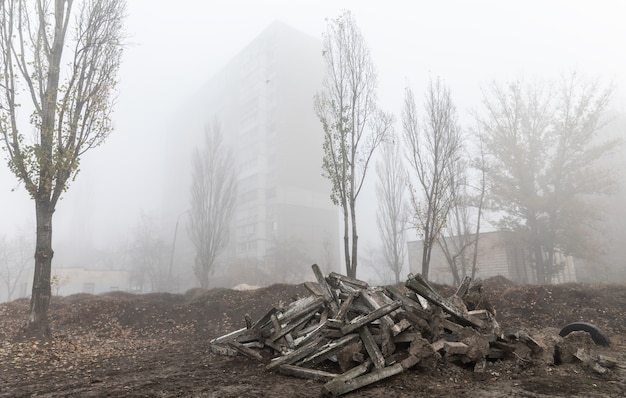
175	49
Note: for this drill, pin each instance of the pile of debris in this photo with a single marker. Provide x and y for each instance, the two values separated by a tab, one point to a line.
372	333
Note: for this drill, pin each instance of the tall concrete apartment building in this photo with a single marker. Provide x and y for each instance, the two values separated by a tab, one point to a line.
263	99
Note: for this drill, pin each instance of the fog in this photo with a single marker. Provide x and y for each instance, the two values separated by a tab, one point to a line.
174	49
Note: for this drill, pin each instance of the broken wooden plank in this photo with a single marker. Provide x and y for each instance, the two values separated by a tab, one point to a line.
249	352
429	294
345	306
306	373
326	290
400	326
376	314
229	336
407	302
356	371
288	327
463	287
276	324
295	309
372	349
406	337
355	283
374	303
339	386
310	336
314	288
296	355
264	321
328	350
386	340
451	326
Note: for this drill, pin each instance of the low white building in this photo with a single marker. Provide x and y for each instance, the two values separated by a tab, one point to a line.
67	281
499	254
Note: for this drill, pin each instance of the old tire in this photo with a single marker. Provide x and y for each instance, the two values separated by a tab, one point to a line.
598	336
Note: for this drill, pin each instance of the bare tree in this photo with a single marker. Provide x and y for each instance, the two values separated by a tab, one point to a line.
432	148
353	125
148	255
458	239
213	193
392	213
544	171
71	97
481	165
14	261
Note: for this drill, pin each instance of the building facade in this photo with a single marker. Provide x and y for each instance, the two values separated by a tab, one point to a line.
263	99
499	254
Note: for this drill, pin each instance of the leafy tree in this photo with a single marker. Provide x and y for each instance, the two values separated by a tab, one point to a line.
70	95
432	149
213	193
353	125
544	166
393	212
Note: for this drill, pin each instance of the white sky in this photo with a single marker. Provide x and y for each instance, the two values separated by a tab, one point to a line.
177	46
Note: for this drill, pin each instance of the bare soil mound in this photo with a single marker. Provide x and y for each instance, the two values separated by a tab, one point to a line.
157	345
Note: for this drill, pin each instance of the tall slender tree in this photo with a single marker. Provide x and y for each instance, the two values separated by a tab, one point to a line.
213	193
432	149
392	216
69	85
353	125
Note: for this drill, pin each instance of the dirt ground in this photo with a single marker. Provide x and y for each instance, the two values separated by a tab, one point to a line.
157	345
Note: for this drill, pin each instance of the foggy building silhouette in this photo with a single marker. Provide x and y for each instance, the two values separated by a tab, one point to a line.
284	219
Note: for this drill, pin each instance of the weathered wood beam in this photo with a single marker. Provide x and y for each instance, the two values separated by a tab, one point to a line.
353	282
314	288
328	350
340	386
249	352
407	302
296	355
306	373
376	314
374	303
296	308
229	336
435	298
345	306
463	287
288	327
265	321
326	290
372	349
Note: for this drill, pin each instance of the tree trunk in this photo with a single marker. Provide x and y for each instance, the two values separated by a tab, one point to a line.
425	258
346	238
38	324
355	239
539	263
